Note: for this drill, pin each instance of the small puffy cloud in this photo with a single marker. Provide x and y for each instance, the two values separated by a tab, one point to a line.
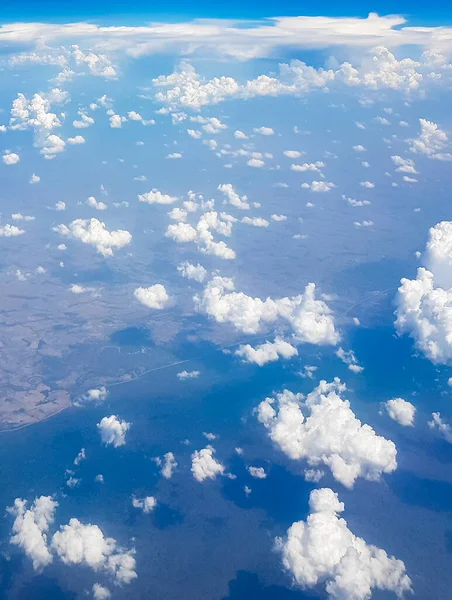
264	130
81	456
80	289
268	352
431	141
60	205
134	116
348	357
255	221
94	395
359	148
293	153
318	186
195	272
21	217
322	549
181	233
52	146
146	504
194	133
404	165
239	135
84	121
323	429
401	411
10	231
34	179
257	472
174	155
313	475
100	592
31	526
257	163
443	428
95	233
156	197
78	139
278	218
183	375
367	184
80	544
168	465
113	431
116	121
10	158
204	466
233	198
307	167
155	296
91	201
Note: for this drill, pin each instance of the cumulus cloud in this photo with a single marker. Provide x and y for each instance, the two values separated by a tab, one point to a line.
310	319
431	141
195	272
257	163
257	472
93	395
168	465
80	544
268	352
401	411
318	186
10	231
100	592
444	429
323	429
233	198
113	431
155	296
31	526
322	549
91	201
10	158
255	221
34	179
183	375
348	357
146	504
78	139
204	466
21	217
94	232
307	167
156	197
264	130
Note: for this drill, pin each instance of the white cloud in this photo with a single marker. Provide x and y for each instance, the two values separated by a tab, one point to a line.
156	197
168	465
278	218
322	549
255	221
146	504
183	375
239	135
196	273
233	198
94	232
268	352
34	179
204	466
10	158
367	184
444	429
313	475
10	231
93	395
81	456
100	592
431	141
79	544
324	430
155	296
348	357
404	165
174	155
257	472
264	130
78	139
31	526
113	431
310	319
308	166
257	163
21	217
84	121
318	186
91	201
60	205
52	146
293	153
359	148
401	411
194	133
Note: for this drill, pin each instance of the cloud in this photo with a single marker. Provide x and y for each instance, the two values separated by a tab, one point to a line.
34	179
84	121
116	121
113	431
233	198
431	141
255	221
444	429
21	217
146	504
268	352
257	163
257	472
94	395
31	526
401	411
278	218
10	158
318	186
310	319
155	296
322	549
10	231
239	135
174	155
349	358
78	139
204	466
183	375
168	465
307	167
100	592
79	544
156	197
264	130
91	201
196	273
323	429
94	232
404	165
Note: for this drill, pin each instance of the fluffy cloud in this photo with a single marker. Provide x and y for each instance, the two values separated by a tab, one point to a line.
257	163
100	592
80	544
444	429
268	352
91	201
257	472
401	411
94	395
146	504
204	466
323	429
94	232
155	296
113	431
349	358
195	272
10	158
78	139
311	320
168	465
255	221
31	526
308	167
233	198
183	375
156	197
318	186
322	549
431	141
10	231
264	130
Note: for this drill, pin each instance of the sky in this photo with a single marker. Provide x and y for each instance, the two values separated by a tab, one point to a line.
225	325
